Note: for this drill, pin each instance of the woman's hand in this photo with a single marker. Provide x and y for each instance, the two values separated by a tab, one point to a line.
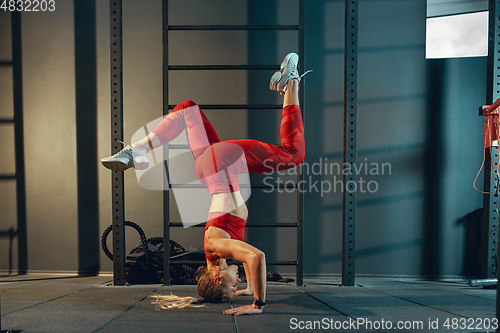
222	263
245	310
244	292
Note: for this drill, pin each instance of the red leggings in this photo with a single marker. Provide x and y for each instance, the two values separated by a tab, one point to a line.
217	168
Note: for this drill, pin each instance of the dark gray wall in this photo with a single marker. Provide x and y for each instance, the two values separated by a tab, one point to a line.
455	86
50	142
416	116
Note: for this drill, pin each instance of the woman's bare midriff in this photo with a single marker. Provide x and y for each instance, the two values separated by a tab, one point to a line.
232	203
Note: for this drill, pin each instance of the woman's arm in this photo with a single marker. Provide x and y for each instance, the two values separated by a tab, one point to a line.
256	261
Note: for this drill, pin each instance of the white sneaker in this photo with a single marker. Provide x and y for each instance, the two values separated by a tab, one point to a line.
288	71
126	158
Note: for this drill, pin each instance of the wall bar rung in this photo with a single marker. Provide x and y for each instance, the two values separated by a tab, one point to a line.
272	225
188	262
281	263
180	224
232	27
222	67
236	106
8	233
199	262
7	121
280	186
186	186
254	225
6	63
178	146
5	177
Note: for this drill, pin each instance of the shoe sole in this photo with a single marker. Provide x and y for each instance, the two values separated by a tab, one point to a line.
287	59
115	165
119	166
275	79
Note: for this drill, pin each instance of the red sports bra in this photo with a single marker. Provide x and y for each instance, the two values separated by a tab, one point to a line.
233	225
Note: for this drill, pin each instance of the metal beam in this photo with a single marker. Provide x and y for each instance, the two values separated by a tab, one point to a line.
350	147
118	204
489	217
166	193
490	209
300	195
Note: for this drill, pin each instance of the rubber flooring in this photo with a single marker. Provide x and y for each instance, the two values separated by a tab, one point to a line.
50	303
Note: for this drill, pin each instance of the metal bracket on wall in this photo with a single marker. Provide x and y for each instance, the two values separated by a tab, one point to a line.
118	204
350	147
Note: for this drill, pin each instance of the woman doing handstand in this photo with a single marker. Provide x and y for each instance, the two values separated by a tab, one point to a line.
217	165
